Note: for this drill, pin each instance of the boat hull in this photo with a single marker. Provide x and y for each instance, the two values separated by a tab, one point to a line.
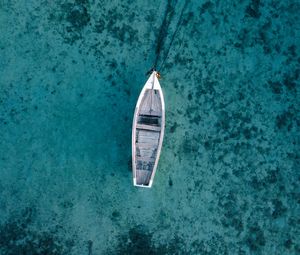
147	132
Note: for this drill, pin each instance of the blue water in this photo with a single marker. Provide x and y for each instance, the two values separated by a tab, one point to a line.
229	173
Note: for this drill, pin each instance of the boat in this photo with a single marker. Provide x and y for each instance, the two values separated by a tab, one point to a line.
148	132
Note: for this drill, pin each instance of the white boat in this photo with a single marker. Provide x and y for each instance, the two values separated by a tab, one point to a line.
148	132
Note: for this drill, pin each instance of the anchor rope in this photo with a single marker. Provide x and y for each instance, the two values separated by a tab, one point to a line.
163	33
178	26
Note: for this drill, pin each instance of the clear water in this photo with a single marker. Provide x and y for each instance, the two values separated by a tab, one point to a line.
228	177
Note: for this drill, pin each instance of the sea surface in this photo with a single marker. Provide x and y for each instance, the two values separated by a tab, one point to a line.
228	180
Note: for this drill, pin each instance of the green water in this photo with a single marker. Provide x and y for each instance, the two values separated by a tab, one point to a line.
228	176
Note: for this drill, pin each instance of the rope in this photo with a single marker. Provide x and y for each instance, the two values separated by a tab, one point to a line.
179	24
163	32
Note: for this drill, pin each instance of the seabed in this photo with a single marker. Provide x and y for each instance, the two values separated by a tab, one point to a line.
228	176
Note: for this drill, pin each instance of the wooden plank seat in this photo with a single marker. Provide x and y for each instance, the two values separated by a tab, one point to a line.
148	127
146	146
145	159
152	115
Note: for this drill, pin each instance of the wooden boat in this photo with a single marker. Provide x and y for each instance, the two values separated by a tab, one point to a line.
148	132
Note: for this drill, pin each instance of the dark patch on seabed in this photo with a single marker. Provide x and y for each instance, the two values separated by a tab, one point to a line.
228	177
18	236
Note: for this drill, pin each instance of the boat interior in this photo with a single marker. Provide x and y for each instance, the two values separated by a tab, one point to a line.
147	136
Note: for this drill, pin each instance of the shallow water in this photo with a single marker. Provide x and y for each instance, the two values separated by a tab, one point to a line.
228	176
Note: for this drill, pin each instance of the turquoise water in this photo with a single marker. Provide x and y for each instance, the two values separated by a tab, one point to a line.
228	176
